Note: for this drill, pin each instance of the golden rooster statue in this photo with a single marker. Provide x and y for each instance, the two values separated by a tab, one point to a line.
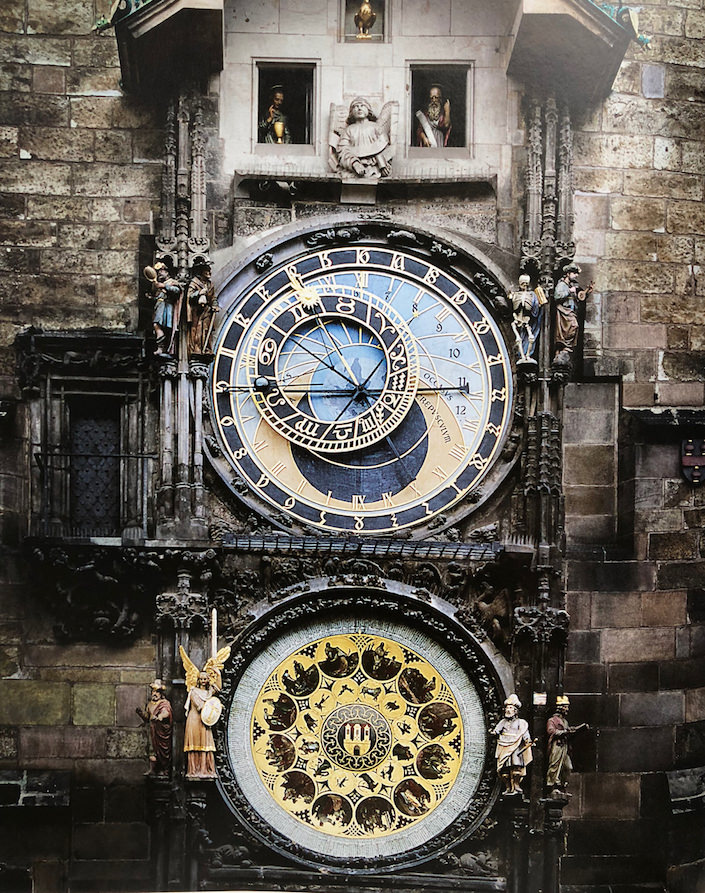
364	20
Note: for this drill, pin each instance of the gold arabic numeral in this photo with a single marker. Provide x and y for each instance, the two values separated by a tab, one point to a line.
494	360
325	260
241	453
393	519
322	517
480	327
263	293
363	256
226	421
397	262
498	394
387	500
460	297
359	522
492	428
345	305
294	277
479	462
432	275
290	502
427	507
358	500
267	351
221	387
263	481
241	320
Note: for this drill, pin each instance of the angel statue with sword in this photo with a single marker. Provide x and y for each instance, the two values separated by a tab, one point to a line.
203	710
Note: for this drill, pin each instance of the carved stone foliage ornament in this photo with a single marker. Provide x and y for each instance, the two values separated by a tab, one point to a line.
355	734
361	387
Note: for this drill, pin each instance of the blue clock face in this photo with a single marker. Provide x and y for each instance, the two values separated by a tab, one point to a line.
360	389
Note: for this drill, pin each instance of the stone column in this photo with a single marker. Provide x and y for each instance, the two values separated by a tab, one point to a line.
165	497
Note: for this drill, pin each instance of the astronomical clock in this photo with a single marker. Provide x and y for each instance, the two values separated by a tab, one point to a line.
360	388
362	406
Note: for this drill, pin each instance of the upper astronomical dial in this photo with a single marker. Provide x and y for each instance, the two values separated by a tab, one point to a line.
332	374
361	389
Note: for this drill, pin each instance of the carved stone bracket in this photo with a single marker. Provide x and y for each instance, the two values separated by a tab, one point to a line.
96	593
541	624
105	354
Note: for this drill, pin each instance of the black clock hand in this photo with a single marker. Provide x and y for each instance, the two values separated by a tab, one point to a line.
323	361
397	455
335	347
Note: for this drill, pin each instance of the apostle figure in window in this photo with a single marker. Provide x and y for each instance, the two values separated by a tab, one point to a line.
202	308
363	146
273	128
434	126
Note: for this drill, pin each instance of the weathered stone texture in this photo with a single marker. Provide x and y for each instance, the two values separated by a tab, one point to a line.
610	795
26	702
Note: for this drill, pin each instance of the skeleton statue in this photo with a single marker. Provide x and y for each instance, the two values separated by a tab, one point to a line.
527	307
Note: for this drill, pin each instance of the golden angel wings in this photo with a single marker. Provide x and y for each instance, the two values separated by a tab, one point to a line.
212	668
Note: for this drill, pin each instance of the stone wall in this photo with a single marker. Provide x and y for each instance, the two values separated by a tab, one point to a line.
81	167
635	656
72	755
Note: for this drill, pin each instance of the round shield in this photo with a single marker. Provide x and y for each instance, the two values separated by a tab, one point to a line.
210	713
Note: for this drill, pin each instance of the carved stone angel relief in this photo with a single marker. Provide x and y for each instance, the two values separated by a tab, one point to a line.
362	143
